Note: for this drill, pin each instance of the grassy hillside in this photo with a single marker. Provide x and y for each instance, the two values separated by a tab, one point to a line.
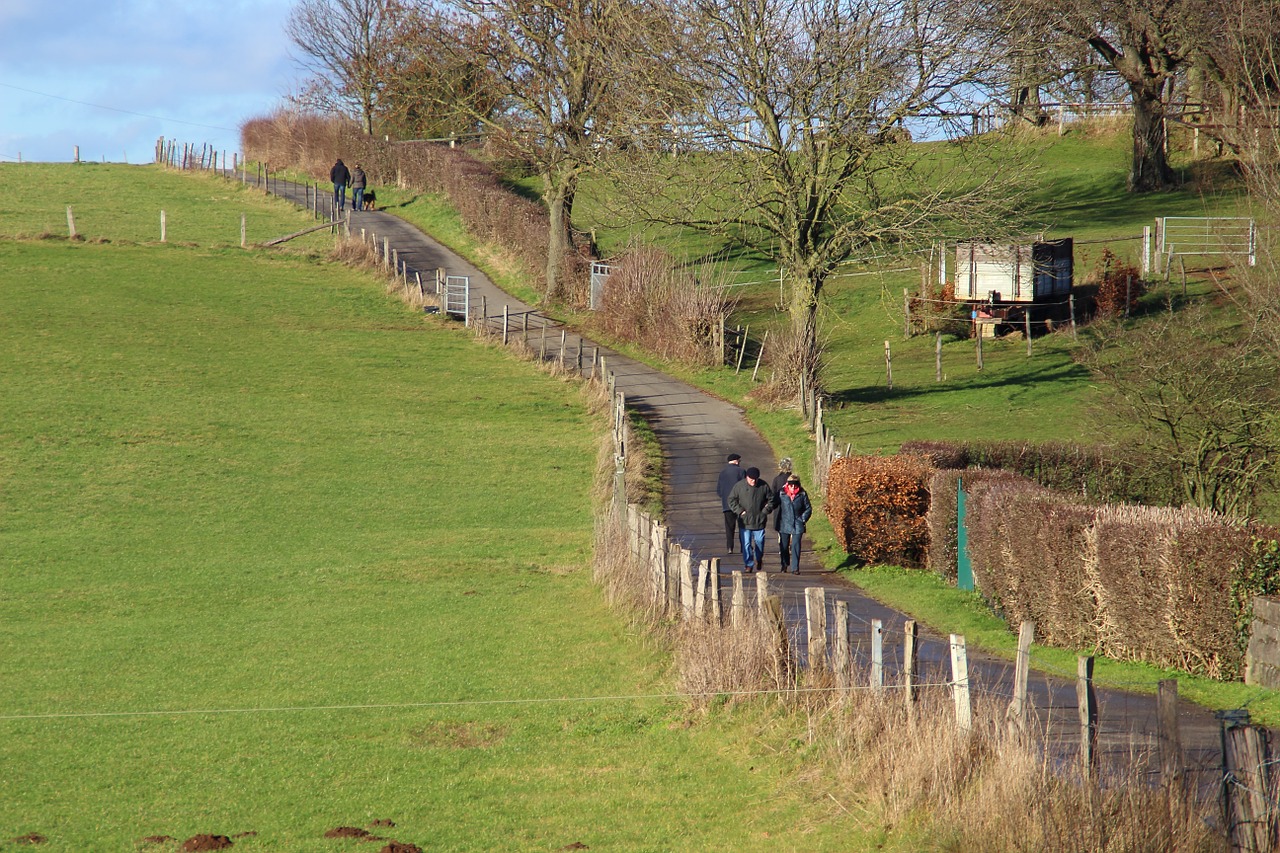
281	556
1076	189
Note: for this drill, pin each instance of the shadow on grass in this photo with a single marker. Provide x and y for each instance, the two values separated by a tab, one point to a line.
1020	379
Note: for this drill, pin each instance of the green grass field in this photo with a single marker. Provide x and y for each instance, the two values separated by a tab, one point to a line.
280	555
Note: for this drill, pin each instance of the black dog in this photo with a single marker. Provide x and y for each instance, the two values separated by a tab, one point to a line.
370	200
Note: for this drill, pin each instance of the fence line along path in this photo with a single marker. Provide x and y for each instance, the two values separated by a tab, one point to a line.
696	432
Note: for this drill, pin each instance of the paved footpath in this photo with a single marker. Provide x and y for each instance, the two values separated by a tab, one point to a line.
697	431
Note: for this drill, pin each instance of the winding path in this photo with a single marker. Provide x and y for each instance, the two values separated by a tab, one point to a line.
696	431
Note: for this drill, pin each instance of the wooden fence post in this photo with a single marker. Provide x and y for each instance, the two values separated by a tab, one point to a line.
960	683
672	558
700	593
738	604
760	355
742	350
937	357
686	585
1017	715
842	660
243	231
762	590
71	223
717	612
877	654
164	228
1087	703
910	658
888	366
1170	735
815	610
1251	817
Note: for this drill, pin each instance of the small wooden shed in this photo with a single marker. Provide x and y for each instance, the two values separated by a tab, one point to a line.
1014	274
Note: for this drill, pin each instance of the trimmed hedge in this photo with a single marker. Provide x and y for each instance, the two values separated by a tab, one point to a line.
877	507
941	518
1170	587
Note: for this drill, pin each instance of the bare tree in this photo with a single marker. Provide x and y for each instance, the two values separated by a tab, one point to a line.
1203	399
437	82
800	141
343	42
1146	42
561	70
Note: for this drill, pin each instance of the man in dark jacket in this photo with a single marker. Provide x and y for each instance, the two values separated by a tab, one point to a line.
729	477
340	177
752	500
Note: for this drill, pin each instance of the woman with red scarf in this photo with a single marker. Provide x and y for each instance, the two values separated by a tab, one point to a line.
794	509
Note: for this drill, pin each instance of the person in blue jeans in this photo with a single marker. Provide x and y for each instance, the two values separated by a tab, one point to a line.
340	177
752	501
794	510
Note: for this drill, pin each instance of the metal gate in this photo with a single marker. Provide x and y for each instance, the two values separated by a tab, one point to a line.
1205	235
457	297
599	275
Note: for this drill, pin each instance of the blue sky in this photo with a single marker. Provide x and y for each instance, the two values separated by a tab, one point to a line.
114	75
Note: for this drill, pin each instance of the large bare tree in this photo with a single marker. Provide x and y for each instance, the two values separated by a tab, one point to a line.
1146	42
799	145
560	67
343	43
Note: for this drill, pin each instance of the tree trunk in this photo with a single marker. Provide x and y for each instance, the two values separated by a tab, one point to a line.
804	327
557	242
1150	160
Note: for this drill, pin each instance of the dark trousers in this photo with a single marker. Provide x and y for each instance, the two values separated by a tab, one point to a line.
789	543
730	529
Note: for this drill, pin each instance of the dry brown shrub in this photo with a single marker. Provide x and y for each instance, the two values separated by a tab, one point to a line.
735	663
1164	583
877	507
652	301
990	789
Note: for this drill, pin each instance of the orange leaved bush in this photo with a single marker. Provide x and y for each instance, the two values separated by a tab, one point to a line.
877	506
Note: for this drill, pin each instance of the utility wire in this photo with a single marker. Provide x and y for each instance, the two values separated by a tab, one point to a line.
116	109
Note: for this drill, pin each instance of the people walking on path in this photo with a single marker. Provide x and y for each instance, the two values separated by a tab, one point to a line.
794	510
730	476
340	176
357	188
780	480
752	500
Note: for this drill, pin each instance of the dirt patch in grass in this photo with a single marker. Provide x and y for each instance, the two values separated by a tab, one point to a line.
30	838
205	842
458	735
401	847
346	832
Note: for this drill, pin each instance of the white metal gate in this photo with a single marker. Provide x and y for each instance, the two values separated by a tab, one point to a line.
599	275
457	297
1205	235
